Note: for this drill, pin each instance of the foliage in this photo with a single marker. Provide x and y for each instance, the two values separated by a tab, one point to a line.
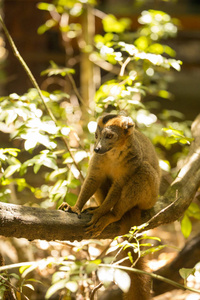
193	211
39	136
73	276
187	272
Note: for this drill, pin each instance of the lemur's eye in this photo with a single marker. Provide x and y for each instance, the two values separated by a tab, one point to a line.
96	136
109	136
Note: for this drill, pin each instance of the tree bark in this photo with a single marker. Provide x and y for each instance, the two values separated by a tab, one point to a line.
38	223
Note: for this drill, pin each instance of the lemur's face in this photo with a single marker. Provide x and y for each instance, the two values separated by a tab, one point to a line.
112	130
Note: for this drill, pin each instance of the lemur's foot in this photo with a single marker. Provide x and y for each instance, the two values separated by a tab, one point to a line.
72	209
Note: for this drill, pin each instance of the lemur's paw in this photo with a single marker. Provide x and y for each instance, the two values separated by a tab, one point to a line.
72	209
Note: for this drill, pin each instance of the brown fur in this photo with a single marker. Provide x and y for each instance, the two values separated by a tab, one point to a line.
123	173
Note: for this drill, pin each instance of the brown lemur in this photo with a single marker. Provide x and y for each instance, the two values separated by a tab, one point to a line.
123	174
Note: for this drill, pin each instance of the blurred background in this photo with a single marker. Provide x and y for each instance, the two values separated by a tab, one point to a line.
23	19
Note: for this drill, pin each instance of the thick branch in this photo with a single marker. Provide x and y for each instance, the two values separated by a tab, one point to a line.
37	223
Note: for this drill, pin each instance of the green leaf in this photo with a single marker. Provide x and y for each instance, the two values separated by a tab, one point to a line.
10	170
194	211
186	226
152	250
122	279
45	158
30	286
72	286
176	64
111	24
149	238
26	271
71	198
176	136
186	272
55	70
23	268
45	27
55	287
106	275
73	183
12	151
45	6
16	276
34	280
91	267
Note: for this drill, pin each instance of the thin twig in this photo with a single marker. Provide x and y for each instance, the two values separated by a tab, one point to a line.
95	289
35	84
155	276
124	66
146	225
78	94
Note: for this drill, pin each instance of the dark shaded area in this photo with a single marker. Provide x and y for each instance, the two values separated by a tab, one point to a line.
187	257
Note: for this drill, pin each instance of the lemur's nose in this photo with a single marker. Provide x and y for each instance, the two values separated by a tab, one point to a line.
97	149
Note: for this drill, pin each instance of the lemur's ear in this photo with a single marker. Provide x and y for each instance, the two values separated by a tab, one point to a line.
127	123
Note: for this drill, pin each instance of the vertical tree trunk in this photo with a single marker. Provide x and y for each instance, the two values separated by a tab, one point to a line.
86	65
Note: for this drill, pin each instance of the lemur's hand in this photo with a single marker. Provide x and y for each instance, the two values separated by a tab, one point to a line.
72	209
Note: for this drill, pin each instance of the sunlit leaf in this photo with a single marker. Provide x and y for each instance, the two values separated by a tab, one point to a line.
55	287
72	286
30	143
11	151
91	267
152	250
106	275
30	286
45	6
186	272
111	24
23	268
80	155
186	226
56	70
28	270
176	64
73	183
176	136
194	211
71	198
45	27
10	170
122	279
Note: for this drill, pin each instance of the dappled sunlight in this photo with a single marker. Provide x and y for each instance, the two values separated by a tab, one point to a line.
146	118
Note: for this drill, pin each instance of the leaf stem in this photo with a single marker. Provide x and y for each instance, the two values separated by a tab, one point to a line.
155	276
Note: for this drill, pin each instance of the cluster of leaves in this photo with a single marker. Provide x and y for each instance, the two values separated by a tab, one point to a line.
60	9
39	140
185	273
193	212
73	276
145	59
